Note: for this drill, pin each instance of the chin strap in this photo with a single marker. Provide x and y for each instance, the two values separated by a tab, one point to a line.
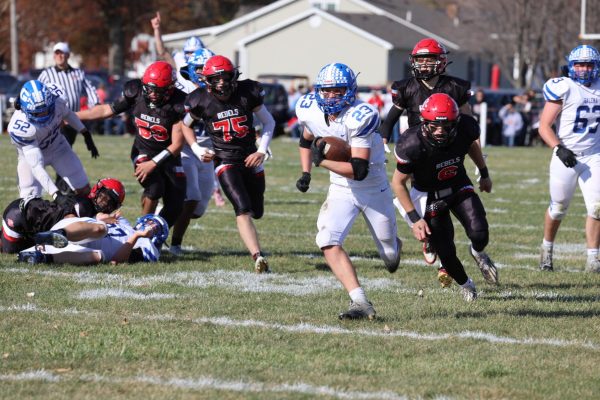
326	118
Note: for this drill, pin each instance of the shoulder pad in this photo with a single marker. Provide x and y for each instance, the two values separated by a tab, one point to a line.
408	149
132	89
304	105
363	118
20	130
194	99
556	88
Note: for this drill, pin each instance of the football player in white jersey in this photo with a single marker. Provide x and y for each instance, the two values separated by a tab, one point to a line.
576	144
34	129
93	241
359	185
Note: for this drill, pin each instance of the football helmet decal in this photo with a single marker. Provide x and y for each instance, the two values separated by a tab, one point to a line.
220	76
440	116
115	192
428	59
37	102
331	76
196	63
584	54
159	227
158	83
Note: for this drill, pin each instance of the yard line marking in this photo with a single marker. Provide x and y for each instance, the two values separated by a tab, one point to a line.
207	382
122	294
324	329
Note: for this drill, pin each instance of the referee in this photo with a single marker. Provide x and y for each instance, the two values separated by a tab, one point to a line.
73	82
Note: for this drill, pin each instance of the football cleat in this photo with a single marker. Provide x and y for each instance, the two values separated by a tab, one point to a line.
359	311
261	266
429	253
546	259
593	265
54	238
33	257
469	292
176	250
443	277
487	267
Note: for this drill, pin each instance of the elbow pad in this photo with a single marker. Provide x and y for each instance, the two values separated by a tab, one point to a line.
360	168
305	143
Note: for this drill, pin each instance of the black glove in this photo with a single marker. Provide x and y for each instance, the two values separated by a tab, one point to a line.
566	156
317	151
303	183
89	142
65	202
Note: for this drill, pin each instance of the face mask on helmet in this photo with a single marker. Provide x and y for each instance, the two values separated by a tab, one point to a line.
37	102
160	228
158	83
220	76
107	195
196	64
335	88
584	64
440	116
428	59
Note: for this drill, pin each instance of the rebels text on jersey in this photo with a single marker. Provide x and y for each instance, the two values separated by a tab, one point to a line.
228	123
436	168
410	93
154	124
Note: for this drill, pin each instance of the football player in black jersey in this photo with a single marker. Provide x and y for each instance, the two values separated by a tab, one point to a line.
226	106
428	61
158	109
434	152
23	218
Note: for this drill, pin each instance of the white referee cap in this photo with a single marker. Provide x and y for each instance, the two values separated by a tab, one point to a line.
62	46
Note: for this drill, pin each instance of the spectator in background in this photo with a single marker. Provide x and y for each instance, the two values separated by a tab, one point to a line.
376	100
74	84
512	123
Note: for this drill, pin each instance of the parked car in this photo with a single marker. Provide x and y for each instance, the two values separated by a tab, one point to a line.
9	97
276	101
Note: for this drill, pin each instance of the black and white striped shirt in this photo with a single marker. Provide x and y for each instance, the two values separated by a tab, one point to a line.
73	82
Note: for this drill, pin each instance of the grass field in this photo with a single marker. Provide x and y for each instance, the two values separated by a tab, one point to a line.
205	326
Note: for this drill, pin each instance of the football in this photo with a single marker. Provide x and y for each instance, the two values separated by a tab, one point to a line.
336	149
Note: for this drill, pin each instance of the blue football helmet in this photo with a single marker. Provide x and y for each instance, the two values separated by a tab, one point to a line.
37	102
196	63
157	223
584	54
335	76
191	45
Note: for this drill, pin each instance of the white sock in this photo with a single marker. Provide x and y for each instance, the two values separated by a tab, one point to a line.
592	254
358	295
475	252
547	244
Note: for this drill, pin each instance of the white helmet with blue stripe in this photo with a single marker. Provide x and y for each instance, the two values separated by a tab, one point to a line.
37	102
191	45
336	75
196	63
159	227
584	54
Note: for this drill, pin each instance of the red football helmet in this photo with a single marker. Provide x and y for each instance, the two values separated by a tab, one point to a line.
158	82
428	59
115	192
439	111
220	76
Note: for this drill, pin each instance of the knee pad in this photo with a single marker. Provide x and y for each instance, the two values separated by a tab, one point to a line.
479	239
595	211
557	211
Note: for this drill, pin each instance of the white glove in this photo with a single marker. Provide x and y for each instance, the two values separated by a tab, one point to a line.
386	148
200	152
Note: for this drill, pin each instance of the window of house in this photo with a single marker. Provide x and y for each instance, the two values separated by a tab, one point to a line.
327	5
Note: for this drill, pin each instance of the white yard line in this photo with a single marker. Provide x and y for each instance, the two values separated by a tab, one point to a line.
206	382
324	329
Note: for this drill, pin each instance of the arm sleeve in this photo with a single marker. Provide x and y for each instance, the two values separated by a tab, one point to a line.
74	121
388	125
265	117
35	159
